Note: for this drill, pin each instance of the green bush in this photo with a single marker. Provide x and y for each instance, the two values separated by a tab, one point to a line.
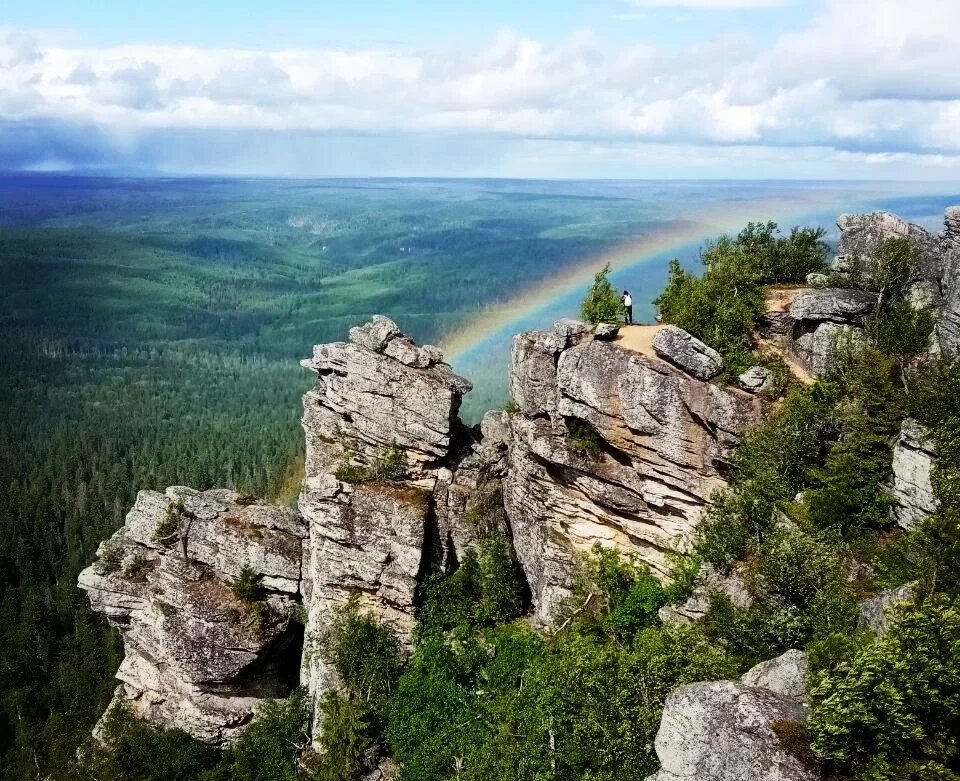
484	589
365	654
602	303
347	736
582	438
247	586
896	704
784	259
268	749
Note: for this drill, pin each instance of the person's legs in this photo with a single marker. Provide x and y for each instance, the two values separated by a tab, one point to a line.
629	315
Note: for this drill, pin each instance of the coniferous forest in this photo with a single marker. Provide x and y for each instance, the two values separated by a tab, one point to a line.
149	336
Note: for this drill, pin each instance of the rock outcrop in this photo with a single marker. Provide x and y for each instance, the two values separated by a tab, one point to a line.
911	490
197	656
948	322
390	478
710	581
609	446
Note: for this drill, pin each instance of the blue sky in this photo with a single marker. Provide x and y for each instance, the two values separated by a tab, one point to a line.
568	88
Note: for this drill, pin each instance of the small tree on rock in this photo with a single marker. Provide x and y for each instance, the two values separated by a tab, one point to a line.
602	304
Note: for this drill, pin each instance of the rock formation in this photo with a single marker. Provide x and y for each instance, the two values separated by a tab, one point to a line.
381	496
911	490
609	446
198	657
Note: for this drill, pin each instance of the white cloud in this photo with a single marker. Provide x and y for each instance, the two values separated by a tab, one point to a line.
863	77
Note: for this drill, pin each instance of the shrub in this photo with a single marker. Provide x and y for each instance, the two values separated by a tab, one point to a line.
169	525
137	567
247	586
779	258
721	306
896	703
268	749
111	558
602	303
485	589
582	438
365	654
345	738
387	464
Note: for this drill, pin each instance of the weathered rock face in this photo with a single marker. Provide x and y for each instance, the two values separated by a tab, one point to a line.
862	235
609	446
196	656
728	731
948	324
913	460
756	379
390	476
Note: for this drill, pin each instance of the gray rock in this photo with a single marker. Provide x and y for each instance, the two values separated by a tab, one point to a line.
875	613
725	731
665	437
756	379
573	331
948	320
405	351
818	280
376	334
816	345
606	331
195	656
840	305
862	236
914	456
686	351
786	675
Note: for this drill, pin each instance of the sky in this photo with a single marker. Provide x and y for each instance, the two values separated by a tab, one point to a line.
791	89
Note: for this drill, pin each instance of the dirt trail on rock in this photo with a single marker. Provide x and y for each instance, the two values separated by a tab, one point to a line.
638	338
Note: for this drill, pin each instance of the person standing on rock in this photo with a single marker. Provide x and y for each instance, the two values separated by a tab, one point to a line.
627	301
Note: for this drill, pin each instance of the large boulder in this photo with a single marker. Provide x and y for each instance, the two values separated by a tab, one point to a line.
948	321
816	345
756	379
686	351
839	305
914	455
876	613
863	235
729	731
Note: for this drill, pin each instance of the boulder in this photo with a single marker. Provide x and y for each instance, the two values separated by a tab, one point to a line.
606	331
948	319
786	675
728	731
911	490
816	344
756	379
863	235
839	305
572	331
818	280
376	334
689	353
875	613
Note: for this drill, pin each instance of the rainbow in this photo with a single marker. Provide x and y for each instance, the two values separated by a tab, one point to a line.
496	319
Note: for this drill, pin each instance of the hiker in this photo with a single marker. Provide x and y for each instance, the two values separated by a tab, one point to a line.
627	301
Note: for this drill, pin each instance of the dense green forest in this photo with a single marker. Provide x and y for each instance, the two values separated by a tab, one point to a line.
150	336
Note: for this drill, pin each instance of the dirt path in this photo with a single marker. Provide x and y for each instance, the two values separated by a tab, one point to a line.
779	298
638	338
